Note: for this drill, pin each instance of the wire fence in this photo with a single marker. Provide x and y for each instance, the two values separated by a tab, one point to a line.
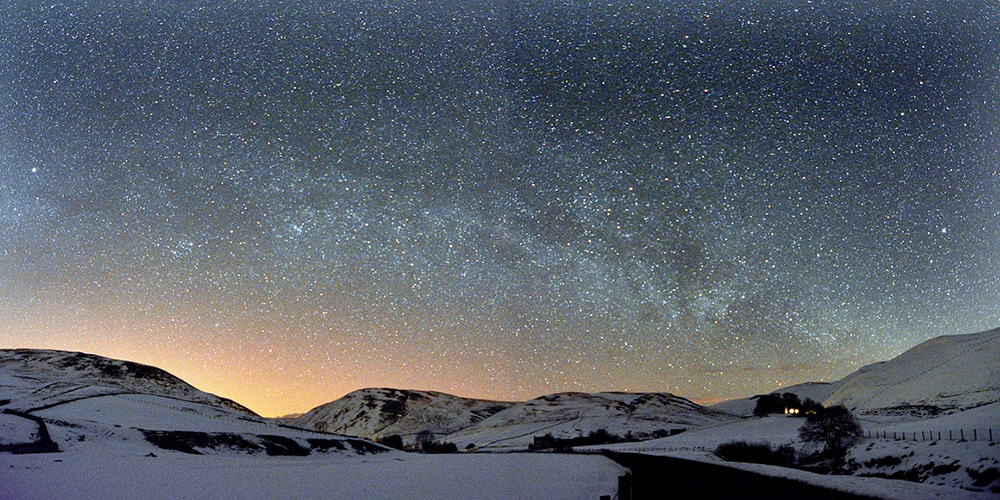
961	435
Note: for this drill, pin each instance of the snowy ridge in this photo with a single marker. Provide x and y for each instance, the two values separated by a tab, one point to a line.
377	413
36	378
66	401
944	374
574	414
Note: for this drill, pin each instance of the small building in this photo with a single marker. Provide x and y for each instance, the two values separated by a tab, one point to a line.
543	442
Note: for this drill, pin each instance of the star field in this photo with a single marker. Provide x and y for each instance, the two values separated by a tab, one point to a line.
281	202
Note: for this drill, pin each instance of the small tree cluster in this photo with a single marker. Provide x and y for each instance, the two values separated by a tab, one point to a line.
427	444
836	427
758	453
439	447
393	441
777	403
599	436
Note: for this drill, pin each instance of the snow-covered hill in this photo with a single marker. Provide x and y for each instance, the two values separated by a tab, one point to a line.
574	414
35	378
941	375
377	413
56	400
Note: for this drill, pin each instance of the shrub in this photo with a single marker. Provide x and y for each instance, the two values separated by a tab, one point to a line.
599	436
393	441
758	453
423	438
439	447
809	406
983	477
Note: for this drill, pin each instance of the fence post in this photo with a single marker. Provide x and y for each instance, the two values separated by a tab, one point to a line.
974	437
961	433
625	486
991	434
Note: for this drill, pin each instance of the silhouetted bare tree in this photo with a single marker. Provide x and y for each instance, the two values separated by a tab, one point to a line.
836	427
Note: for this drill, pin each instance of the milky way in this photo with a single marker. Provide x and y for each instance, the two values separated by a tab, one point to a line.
285	201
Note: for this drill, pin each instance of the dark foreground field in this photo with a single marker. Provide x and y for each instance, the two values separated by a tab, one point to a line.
655	477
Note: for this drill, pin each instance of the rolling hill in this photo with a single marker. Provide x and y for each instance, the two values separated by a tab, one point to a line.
377	413
942	375
57	400
574	414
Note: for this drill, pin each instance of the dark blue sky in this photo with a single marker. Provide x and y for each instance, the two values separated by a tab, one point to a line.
285	201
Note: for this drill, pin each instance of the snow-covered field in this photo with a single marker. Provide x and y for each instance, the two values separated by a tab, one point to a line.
16	429
89	475
942	462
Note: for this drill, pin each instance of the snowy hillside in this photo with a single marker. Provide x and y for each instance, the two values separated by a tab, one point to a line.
64	401
930	451
942	375
816	391
34	378
572	414
377	413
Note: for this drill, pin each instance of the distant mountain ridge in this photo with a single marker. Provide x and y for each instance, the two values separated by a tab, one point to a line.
378	413
87	397
58	400
575	414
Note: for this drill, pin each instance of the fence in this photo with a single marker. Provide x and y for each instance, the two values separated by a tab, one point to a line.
949	435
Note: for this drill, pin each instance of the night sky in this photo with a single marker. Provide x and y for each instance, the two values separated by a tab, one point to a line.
282	202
